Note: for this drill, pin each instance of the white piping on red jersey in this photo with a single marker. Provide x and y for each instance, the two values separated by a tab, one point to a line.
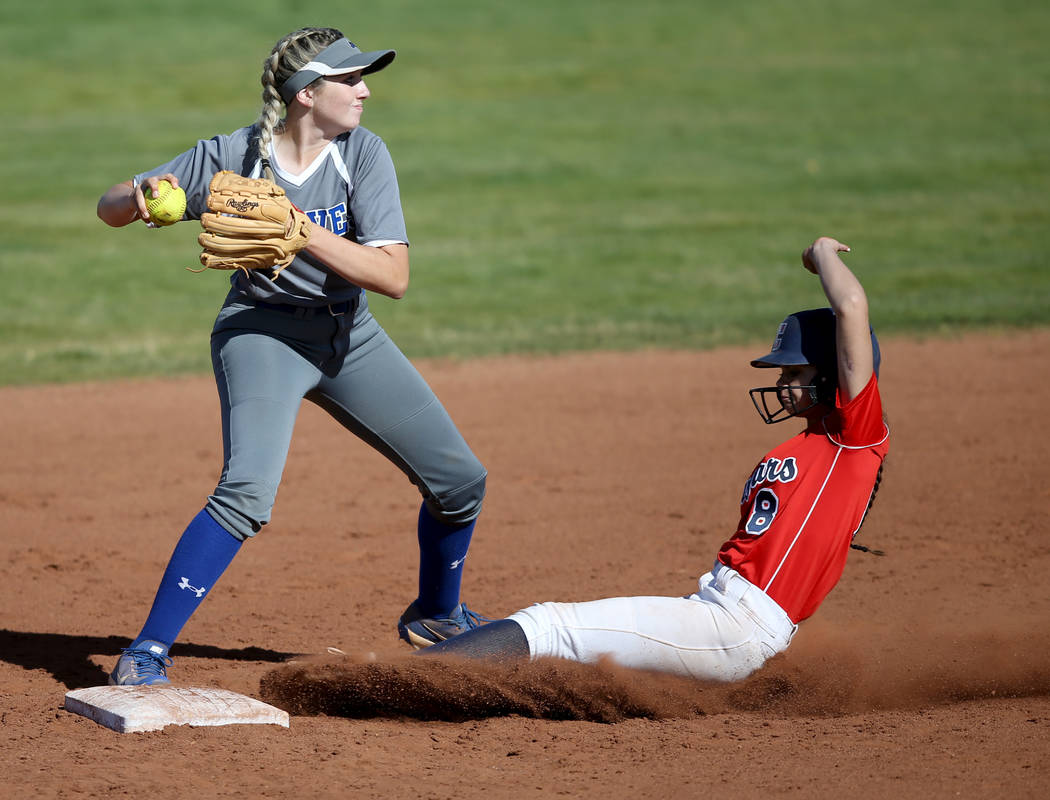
885	436
816	500
802	527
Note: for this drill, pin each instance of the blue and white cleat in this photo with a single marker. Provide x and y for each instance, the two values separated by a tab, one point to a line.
420	631
145	663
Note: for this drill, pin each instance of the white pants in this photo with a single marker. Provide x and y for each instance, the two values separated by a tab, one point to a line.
724	632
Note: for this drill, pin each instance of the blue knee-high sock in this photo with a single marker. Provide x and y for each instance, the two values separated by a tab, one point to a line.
442	549
201	556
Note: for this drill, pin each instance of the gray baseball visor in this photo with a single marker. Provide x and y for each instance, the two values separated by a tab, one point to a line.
339	58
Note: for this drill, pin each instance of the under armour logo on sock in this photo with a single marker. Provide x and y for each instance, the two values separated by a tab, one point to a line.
185	584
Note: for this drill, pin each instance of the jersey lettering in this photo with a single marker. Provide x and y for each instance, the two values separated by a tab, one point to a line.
772	469
334	218
338	215
762	512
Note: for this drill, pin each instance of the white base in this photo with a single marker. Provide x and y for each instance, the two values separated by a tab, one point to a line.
128	709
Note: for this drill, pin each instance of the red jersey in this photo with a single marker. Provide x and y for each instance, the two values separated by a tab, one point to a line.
804	503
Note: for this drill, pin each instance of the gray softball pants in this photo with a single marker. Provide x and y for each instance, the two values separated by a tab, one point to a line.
266	361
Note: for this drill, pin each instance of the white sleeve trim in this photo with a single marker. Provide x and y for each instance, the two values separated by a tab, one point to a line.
832	439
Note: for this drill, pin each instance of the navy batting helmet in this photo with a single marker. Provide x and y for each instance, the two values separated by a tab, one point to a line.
804	338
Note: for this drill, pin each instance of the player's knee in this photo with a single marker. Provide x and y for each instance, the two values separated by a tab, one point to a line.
460	505
243	507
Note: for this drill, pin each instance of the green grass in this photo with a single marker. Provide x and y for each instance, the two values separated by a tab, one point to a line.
574	175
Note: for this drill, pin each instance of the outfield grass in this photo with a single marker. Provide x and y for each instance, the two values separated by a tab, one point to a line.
574	175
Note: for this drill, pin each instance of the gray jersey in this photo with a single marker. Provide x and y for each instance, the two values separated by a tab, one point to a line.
350	189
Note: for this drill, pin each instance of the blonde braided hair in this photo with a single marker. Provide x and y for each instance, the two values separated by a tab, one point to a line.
289	55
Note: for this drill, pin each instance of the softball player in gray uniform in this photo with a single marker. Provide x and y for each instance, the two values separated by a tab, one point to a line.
308	333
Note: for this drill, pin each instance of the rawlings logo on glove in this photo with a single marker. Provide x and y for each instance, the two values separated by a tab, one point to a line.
253	225
242	206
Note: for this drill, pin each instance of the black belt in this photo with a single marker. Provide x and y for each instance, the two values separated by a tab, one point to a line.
306	312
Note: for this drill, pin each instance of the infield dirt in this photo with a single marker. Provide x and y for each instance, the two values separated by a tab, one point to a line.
926	673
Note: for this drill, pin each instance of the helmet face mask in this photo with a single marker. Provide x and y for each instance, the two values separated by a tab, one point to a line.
777	403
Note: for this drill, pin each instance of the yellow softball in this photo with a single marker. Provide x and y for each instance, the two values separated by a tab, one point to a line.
168	206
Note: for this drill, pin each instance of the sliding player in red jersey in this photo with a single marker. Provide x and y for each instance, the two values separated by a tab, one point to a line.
800	510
